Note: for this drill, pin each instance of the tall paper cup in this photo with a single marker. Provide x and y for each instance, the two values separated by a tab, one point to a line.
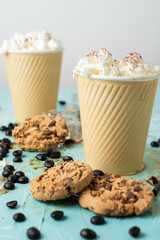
115	121
34	81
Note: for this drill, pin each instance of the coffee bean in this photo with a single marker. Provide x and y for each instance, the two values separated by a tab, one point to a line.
6	145
1	158
98	173
49	163
33	233
57	215
12	204
67	159
17	159
154	180
11	126
8	132
88	233
41	157
6	140
3	128
19	217
19	174
3	154
55	154
155	144
22	180
48	153
12	178
69	141
134	231
7	173
5	150
97	220
62	102
18	153
156	189
9	167
9	186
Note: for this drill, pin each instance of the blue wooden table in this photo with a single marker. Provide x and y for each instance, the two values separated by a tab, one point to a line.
76	218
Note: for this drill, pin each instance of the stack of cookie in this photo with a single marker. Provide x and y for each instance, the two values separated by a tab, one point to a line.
110	195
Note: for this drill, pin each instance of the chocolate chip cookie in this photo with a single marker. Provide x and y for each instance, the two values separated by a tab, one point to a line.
113	195
40	133
61	181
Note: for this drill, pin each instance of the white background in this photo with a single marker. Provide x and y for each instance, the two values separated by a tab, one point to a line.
122	26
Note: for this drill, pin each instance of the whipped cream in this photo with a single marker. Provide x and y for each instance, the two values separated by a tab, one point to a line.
101	63
32	41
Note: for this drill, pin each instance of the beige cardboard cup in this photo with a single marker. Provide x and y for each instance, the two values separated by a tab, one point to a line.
115	116
34	81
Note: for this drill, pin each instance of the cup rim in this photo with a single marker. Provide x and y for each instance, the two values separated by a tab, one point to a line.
123	79
34	52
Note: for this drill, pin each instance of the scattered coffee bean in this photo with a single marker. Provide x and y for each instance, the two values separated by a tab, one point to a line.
7	173
12	178
22	180
67	159
48	153
69	141
57	215
55	154
3	128
19	217
154	180
88	233
17	159
6	140
134	231
6	145
155	144
8	132
49	163
98	173
18	153
41	157
11	126
62	102
33	233
97	220
156	190
9	167
5	150
9	186
2	154
12	204
19	174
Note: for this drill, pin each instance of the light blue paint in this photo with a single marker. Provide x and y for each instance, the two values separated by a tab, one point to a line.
76	217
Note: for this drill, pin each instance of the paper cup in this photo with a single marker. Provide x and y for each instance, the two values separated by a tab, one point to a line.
34	81
115	118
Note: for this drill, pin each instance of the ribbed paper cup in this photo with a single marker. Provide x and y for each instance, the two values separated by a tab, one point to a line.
115	118
34	81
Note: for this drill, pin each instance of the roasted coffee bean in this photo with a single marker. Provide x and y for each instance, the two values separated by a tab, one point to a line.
3	128
7	173
41	157
19	217
134	231
88	233
6	140
49	163
17	159
5	150
3	154
48	153
1	158
69	141
97	220
9	167
8	132
67	159
11	204
57	215
33	233
154	180
22	180
55	154
155	144
6	145
9	186
156	190
12	178
18	153
19	174
98	173
62	102
11	126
